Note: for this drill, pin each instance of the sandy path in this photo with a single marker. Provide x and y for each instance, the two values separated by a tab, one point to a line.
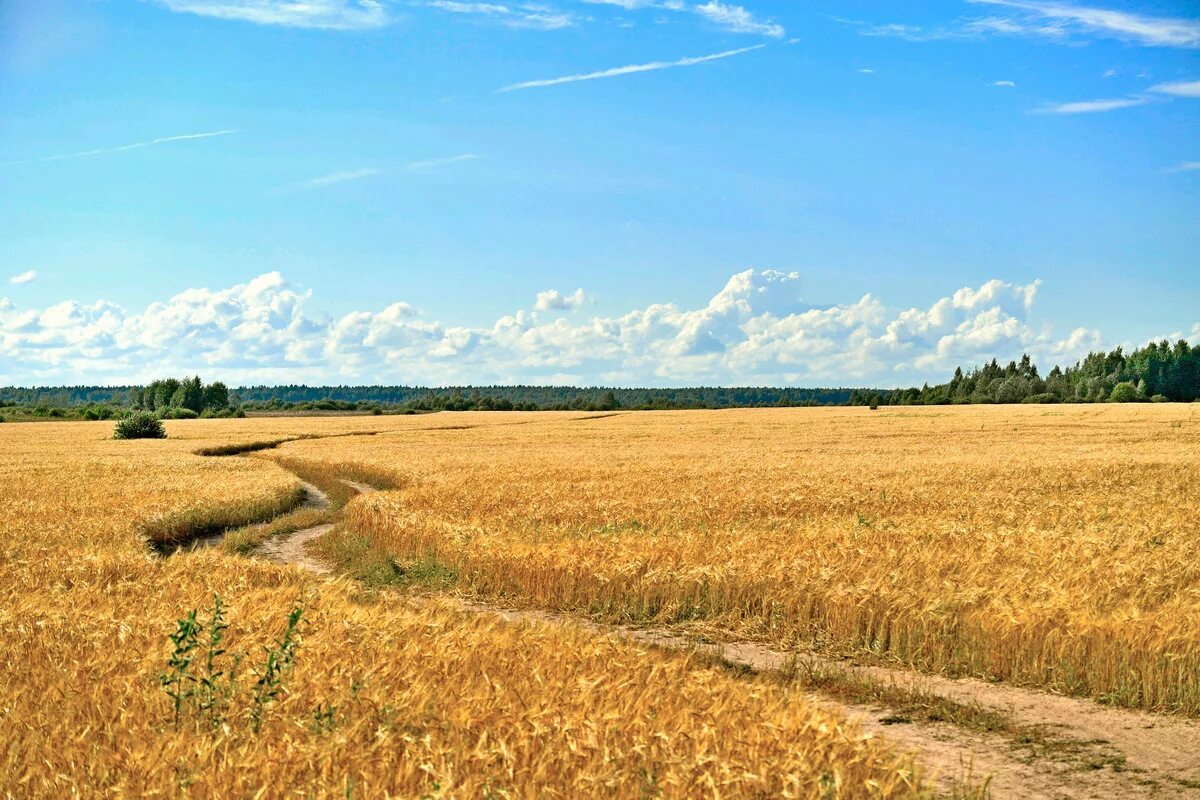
289	549
1160	754
1157	756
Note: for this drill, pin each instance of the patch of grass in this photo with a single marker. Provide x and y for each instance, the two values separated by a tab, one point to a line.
328	478
243	541
357	556
167	534
905	704
240	448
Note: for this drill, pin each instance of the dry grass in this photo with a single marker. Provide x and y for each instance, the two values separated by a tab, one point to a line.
1049	547
388	696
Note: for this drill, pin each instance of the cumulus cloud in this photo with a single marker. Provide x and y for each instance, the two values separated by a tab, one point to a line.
28	276
552	300
755	330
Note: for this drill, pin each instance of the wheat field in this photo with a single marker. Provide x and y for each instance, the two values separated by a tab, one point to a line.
1046	547
387	695
1049	547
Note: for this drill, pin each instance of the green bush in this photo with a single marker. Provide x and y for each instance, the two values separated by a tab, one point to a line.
1158	398
140	425
177	412
1124	392
1044	397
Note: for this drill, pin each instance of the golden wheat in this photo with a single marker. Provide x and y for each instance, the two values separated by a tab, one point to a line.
1052	547
389	696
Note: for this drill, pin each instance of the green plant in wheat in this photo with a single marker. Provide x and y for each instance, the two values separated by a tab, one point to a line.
178	681
213	695
206	682
279	660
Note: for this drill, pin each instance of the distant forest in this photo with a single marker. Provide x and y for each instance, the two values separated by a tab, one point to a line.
1158	372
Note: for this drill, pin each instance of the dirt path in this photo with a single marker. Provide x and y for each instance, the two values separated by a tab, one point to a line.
1087	750
289	549
1097	752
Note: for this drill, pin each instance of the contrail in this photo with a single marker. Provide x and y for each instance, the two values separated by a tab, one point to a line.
134	146
629	70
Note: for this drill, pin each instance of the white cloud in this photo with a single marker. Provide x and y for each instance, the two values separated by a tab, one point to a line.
327	14
1056	18
28	276
1004	84
627	70
1178	88
1185	166
134	146
525	15
755	330
553	300
441	162
738	19
346	176
1062	22
331	179
731	17
1093	106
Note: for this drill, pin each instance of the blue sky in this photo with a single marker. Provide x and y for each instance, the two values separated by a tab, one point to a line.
614	191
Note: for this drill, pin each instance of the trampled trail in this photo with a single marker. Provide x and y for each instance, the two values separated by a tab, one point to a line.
1081	749
290	549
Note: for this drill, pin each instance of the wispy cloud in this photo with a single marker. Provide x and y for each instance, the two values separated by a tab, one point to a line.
1147	30
440	162
1004	84
526	15
1060	21
729	16
1178	88
1093	106
346	176
628	70
332	179
124	147
738	19
29	276
326	14
1185	166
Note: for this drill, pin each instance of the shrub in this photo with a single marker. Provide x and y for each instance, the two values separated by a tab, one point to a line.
140	425
177	412
1158	398
1044	397
1124	392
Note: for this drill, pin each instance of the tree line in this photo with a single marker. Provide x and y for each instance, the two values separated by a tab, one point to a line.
1158	372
